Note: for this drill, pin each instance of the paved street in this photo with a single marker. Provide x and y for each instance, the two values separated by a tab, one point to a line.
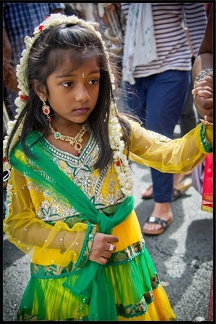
183	255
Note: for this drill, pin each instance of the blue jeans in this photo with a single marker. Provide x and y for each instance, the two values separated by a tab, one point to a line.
158	100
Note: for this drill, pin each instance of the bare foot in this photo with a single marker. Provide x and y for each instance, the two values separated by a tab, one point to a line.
179	177
148	192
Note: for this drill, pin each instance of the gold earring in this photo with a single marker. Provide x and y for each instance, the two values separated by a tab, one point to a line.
46	110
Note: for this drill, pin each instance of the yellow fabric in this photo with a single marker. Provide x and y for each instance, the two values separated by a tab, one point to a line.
32	235
29	207
155	312
35	217
50	293
128	232
166	155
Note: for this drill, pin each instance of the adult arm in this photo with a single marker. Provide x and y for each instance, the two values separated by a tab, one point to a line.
203	88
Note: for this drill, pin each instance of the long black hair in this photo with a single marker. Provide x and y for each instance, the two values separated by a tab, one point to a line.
81	43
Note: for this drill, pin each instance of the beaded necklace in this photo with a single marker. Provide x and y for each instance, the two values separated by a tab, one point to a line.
73	141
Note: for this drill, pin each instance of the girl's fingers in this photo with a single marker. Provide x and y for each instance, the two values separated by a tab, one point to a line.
102	248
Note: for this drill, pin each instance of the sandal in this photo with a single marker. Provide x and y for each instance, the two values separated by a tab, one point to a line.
177	191
148	196
176	194
181	187
156	220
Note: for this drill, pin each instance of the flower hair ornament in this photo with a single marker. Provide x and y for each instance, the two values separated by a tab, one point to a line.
115	133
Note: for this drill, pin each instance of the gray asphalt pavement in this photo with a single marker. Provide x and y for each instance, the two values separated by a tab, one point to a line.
183	255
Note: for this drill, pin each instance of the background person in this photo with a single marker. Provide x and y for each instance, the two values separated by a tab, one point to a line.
157	83
70	204
19	20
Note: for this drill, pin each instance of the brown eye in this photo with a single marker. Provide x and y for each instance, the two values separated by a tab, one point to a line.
94	81
67	84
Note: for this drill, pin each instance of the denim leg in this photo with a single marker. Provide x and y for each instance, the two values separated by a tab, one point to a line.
164	104
158	100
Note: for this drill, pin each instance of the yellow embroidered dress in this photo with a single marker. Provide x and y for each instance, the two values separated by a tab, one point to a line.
39	206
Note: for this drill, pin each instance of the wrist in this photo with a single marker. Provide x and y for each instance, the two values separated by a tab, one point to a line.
204	141
202	74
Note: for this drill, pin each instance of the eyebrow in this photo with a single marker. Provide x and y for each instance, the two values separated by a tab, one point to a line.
74	74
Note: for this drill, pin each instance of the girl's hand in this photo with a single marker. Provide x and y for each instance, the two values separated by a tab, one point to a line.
100	251
203	96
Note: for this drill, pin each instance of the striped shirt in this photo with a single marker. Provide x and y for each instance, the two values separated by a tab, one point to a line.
173	49
20	20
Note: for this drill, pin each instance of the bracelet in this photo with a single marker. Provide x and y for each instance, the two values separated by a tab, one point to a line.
202	74
61	235
205	143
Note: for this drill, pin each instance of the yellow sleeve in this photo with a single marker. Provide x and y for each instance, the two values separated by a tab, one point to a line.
167	155
36	237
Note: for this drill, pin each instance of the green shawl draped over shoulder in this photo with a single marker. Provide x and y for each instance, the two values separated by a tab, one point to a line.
91	281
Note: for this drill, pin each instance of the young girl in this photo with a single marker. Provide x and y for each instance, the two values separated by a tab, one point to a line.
69	196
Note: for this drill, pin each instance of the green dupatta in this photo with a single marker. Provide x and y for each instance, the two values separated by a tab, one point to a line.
91	282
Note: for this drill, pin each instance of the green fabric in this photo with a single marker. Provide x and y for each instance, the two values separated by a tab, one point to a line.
91	281
140	279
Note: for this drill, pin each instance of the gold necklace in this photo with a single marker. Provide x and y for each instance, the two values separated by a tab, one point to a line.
73	141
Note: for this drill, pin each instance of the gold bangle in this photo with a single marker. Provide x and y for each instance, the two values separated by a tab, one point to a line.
61	235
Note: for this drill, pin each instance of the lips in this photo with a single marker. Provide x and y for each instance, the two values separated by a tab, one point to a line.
81	111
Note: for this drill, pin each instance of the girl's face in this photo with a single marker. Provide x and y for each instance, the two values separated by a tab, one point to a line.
73	93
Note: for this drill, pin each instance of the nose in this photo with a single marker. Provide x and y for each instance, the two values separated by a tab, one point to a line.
82	94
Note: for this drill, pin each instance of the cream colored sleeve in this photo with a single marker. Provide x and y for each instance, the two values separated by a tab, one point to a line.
38	238
164	154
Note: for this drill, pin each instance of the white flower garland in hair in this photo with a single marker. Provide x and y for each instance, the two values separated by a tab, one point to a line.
117	145
120	159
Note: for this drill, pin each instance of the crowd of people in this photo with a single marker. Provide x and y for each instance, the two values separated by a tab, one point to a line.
69	202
